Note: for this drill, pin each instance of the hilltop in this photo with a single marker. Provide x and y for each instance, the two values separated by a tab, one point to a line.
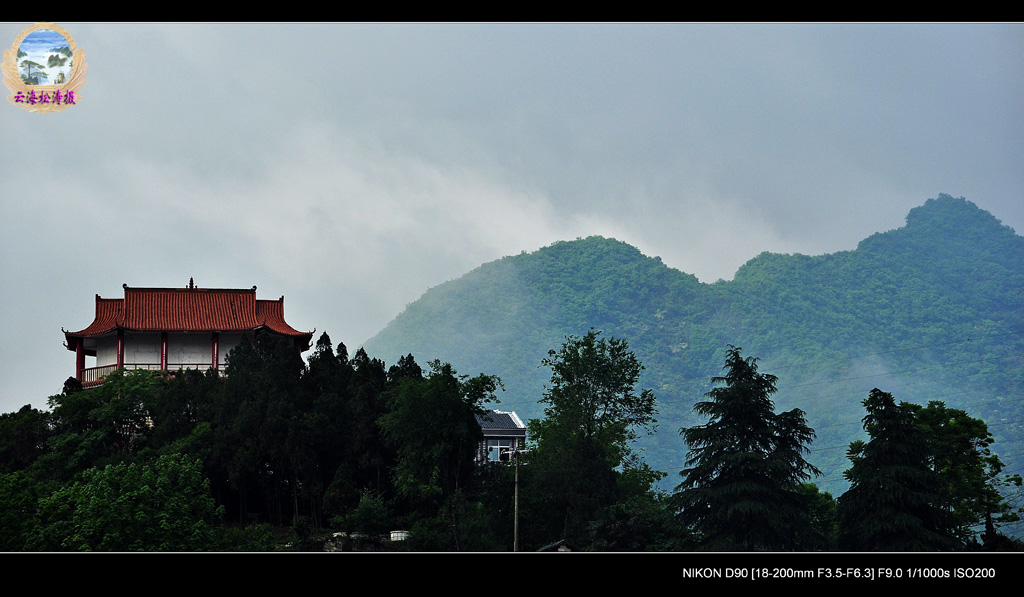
929	311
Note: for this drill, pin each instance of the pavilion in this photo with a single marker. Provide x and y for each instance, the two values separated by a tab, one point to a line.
169	329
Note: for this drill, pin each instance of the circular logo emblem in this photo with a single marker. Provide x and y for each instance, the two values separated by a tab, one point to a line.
44	69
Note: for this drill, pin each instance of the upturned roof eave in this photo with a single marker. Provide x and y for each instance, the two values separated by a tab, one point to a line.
164	311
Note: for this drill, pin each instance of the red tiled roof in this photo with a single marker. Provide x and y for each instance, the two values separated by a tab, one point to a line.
109	312
187	309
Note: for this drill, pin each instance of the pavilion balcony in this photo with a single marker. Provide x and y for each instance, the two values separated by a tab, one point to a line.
95	375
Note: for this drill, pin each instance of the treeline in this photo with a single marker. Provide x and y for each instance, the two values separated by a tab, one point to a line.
925	480
282	454
341	444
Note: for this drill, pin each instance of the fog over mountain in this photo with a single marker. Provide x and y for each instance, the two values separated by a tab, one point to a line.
929	311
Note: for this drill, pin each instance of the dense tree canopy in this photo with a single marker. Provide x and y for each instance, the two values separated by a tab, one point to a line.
970	475
925	480
189	460
163	506
23	437
432	423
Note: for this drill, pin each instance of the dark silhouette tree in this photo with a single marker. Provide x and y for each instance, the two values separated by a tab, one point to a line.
23	438
894	502
431	425
741	490
250	424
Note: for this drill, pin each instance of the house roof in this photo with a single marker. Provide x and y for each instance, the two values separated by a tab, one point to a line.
187	309
500	423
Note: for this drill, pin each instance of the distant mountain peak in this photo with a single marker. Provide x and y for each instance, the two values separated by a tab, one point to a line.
946	211
832	326
946	224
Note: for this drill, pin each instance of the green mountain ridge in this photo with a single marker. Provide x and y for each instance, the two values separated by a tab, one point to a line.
933	310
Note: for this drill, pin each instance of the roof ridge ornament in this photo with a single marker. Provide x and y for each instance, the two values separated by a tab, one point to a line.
191	283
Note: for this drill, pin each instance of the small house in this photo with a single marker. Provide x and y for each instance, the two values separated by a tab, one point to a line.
503	433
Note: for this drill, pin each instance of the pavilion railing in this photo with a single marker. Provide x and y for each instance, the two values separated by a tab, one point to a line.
94	374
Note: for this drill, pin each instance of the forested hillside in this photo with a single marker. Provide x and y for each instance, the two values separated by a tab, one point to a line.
933	310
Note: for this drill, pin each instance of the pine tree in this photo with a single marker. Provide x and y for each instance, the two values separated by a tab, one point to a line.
741	490
894	501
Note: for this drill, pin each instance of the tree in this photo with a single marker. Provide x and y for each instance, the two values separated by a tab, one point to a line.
19	497
253	424
365	458
176	410
431	423
894	502
29	77
592	394
100	426
741	489
23	438
823	518
432	426
959	451
163	506
592	416
640	520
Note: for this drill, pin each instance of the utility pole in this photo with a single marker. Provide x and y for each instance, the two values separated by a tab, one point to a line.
515	534
516	452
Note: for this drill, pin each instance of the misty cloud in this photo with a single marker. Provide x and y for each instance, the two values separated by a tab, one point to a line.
350	167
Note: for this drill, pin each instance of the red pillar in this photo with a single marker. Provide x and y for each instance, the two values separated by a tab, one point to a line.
120	349
215	342
163	351
79	360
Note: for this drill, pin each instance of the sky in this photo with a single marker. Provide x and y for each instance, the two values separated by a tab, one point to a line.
352	166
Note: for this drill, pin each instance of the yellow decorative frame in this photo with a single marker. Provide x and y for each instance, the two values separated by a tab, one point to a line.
13	80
